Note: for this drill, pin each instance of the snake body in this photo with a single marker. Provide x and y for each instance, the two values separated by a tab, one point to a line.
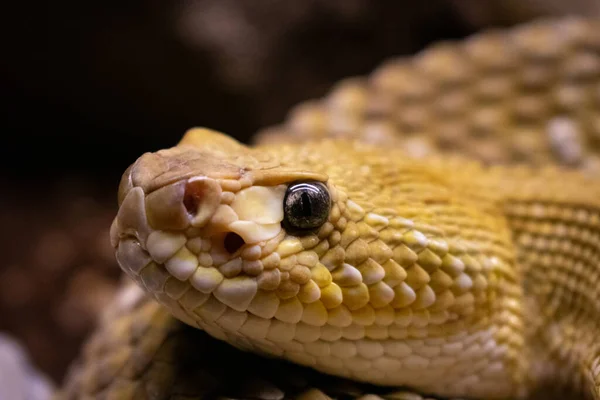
459	255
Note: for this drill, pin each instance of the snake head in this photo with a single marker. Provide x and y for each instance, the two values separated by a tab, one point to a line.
211	220
330	254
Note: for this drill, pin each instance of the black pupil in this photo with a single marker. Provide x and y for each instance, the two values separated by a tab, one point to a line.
306	206
306	210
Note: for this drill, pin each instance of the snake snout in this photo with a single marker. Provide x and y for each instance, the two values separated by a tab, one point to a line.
172	209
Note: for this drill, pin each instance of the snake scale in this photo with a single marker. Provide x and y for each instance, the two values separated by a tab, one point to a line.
429	231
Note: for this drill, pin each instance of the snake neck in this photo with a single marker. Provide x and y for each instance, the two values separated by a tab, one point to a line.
555	221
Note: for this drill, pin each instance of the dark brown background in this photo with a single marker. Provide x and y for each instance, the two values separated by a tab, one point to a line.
89	86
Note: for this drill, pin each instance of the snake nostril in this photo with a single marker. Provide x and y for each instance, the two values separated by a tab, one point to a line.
233	242
192	198
200	199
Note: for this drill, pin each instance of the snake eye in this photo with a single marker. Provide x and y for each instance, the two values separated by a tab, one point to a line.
306	205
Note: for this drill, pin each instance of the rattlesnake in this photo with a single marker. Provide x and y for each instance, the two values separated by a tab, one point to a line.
430	230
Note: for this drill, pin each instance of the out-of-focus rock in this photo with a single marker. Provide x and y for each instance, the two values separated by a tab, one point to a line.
19	378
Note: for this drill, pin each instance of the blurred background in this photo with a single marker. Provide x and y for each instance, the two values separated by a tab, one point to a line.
90	86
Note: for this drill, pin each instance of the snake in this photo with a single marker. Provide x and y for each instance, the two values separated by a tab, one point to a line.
428	231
